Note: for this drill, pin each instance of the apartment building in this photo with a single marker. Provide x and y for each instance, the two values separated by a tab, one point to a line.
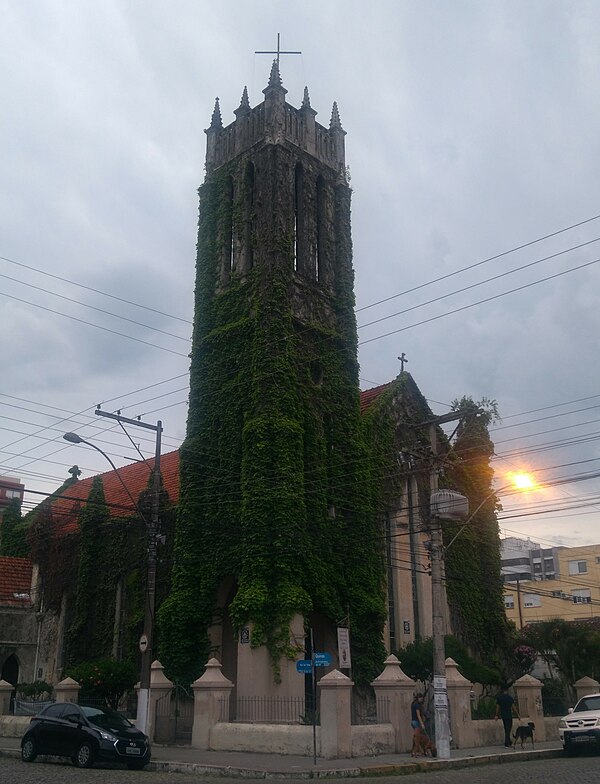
573	594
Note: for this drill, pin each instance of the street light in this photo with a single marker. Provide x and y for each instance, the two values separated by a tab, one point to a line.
143	718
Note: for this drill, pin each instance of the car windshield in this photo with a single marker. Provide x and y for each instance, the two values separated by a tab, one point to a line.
105	718
588	704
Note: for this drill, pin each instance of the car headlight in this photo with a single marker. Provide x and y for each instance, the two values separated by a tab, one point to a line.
562	724
107	736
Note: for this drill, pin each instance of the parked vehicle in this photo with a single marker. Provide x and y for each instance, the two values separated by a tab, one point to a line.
581	726
87	735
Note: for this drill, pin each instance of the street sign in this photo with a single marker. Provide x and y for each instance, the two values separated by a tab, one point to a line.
322	659
304	666
143	643
343	636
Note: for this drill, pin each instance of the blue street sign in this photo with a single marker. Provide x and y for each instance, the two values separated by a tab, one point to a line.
322	659
303	666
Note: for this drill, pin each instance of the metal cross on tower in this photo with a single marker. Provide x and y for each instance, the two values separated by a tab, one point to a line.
278	52
403	361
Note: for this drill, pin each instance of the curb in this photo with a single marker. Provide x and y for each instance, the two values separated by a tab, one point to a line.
371	771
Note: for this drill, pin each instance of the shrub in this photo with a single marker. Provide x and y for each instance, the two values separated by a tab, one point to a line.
106	680
37	690
485	708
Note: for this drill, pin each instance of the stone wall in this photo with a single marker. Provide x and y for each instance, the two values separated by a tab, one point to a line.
18	636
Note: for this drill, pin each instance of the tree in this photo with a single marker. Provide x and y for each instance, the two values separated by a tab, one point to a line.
571	648
13	532
473	562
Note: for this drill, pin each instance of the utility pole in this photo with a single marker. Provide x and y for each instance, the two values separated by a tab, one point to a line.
519	603
444	504
146	639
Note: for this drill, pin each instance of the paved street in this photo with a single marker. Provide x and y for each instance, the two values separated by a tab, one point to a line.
581	770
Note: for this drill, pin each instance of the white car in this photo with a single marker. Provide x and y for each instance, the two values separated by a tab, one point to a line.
581	726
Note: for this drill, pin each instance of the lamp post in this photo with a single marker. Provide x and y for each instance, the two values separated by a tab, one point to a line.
143	719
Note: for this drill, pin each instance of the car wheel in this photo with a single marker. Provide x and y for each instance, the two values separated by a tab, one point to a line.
85	756
136	765
28	750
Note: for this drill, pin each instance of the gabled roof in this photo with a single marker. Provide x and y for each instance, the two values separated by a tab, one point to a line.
369	396
15	581
68	502
135	477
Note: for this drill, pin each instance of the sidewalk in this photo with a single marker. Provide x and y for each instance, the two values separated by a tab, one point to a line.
183	759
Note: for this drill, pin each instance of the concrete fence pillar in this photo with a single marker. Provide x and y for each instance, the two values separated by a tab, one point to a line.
67	691
160	687
528	691
336	715
211	696
585	686
6	690
459	706
394	690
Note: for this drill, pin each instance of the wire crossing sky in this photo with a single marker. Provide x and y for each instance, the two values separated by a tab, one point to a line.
473	145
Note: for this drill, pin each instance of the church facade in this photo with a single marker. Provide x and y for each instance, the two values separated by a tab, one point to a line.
299	503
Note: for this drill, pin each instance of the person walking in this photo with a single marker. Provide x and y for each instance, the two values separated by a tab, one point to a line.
417	722
505	708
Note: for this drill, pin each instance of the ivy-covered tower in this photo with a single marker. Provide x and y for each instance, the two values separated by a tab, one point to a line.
276	528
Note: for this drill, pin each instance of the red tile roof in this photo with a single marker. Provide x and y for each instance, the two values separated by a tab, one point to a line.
65	509
134	477
369	396
15	581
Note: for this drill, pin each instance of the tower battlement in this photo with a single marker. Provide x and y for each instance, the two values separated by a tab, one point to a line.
275	121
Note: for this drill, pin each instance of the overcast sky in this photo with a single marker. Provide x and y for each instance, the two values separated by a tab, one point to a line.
473	128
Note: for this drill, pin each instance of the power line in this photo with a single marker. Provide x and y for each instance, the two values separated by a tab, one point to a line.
96	291
480	263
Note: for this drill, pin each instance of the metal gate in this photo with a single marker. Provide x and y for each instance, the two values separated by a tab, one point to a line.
174	717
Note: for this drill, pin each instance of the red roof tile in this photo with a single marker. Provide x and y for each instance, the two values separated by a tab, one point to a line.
369	396
15	581
135	477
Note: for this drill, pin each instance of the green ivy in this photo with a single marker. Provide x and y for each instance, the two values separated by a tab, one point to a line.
276	497
13	532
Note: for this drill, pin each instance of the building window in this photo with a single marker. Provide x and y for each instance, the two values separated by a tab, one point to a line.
531	600
509	601
298	219
582	596
13	493
577	567
249	187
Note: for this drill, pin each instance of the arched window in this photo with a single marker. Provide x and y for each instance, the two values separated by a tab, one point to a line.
320	229
298	218
229	248
249	216
10	670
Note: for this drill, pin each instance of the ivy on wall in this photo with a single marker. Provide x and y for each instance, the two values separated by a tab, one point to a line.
83	571
473	561
13	531
275	483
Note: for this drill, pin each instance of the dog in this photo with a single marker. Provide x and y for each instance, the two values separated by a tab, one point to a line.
423	746
523	733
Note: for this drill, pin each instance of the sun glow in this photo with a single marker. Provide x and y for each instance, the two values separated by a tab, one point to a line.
522	481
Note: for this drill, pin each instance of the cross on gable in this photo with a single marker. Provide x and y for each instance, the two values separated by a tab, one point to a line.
278	52
403	361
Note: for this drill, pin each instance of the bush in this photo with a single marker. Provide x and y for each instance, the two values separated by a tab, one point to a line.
484	709
554	697
105	681
36	691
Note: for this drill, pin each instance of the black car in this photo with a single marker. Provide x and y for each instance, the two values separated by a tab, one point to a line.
85	734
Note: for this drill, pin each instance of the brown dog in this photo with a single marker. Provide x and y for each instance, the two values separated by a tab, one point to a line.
422	745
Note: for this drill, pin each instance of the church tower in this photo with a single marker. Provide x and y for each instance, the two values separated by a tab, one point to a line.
276	528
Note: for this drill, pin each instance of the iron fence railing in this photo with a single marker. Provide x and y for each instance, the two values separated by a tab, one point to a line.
264	710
